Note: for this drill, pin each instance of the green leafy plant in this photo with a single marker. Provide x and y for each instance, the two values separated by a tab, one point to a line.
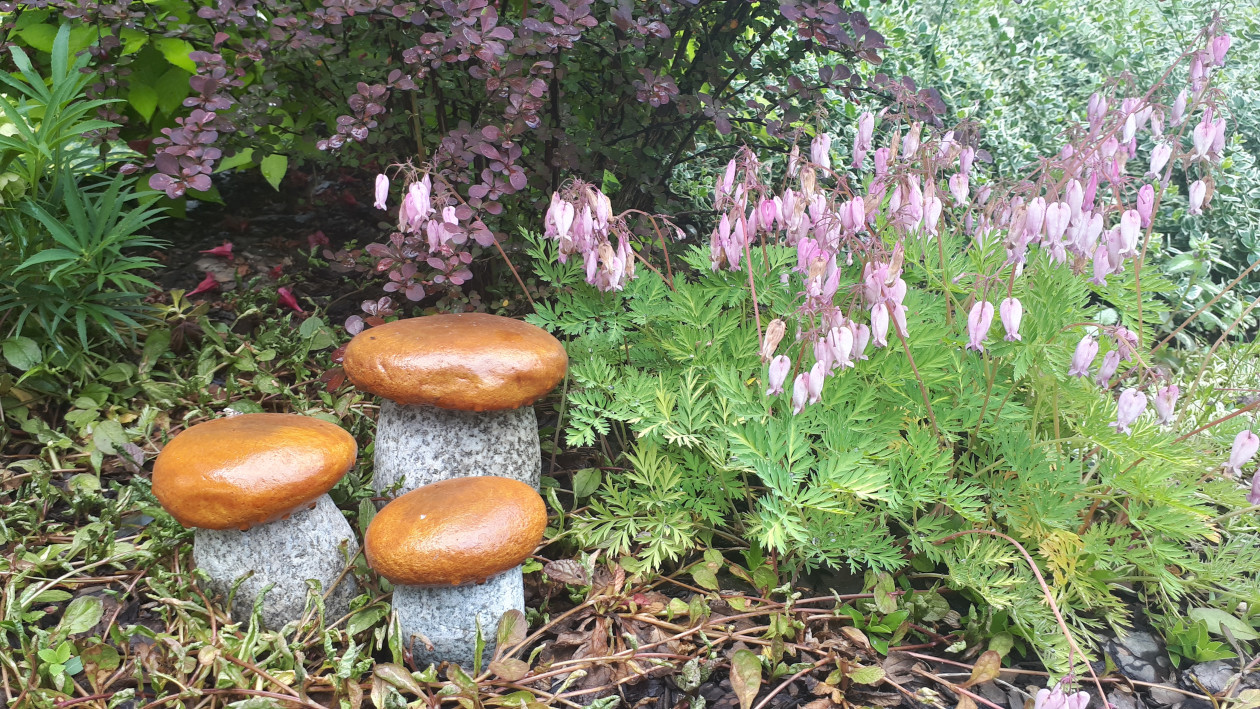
70	274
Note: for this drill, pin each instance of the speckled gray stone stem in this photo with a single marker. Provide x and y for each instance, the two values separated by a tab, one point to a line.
448	616
285	553
424	444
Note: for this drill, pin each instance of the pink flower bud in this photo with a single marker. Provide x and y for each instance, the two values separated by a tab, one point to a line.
1086	350
1075	198
1198	191
1179	109
728	178
820	151
779	368
1110	363
959	188
1159	158
899	320
1096	110
1012	312
800	392
1166	402
1145	204
1246	444
965	158
879	325
382	191
978	322
1130	405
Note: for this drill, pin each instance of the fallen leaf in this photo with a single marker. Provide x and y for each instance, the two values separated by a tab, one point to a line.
567	571
988	667
867	675
745	677
510	669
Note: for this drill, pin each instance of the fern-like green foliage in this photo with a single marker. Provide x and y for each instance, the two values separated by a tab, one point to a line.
880	476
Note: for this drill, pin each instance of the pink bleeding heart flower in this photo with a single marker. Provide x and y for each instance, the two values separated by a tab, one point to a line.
820	151
1110	363
1097	108
978	322
225	251
800	392
965	159
865	132
1245	446
1159	158
1102	266
1129	407
879	325
1086	351
1012	312
1130	231
1058	216
285	297
1145	204
1203	135
1253	497
960	188
814	382
1166	403
861	336
1198	192
1179	109
316	239
207	284
1218	48
382	191
779	368
910	145
1075	198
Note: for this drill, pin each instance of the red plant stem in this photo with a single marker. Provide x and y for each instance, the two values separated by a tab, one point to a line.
1045	590
1205	306
927	400
753	288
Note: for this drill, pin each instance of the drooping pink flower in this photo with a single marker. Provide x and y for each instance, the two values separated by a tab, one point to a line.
1245	446
1097	108
820	151
814	383
1058	216
1166	403
1198	192
1145	204
207	284
1159	158
1130	231
1253	497
1012	312
316	239
1057	699
382	191
779	368
861	336
225	250
1110	363
965	158
800	392
1126	342
1129	406
1102	266
1202	136
840	342
285	298
1035	216
978	322
1086	351
1218	48
959	188
910	144
879	325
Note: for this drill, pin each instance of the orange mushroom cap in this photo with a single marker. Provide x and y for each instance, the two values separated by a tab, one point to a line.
464	361
240	471
456	531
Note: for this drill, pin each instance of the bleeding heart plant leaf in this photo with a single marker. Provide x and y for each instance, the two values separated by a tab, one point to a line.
745	677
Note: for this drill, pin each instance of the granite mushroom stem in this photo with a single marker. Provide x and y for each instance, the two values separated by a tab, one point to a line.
457	391
255	489
453	551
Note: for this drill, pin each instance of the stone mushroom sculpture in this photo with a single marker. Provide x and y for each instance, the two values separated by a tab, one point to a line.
255	488
456	393
453	551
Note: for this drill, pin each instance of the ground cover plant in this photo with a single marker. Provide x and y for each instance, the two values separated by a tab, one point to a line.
876	423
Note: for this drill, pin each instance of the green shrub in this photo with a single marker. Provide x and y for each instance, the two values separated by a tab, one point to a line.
69	229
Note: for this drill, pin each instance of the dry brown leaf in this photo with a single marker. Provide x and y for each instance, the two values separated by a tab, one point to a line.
988	667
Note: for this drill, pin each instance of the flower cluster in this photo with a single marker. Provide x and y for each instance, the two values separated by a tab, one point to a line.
580	219
435	230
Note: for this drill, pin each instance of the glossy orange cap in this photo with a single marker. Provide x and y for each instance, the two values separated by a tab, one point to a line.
239	471
457	531
465	361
